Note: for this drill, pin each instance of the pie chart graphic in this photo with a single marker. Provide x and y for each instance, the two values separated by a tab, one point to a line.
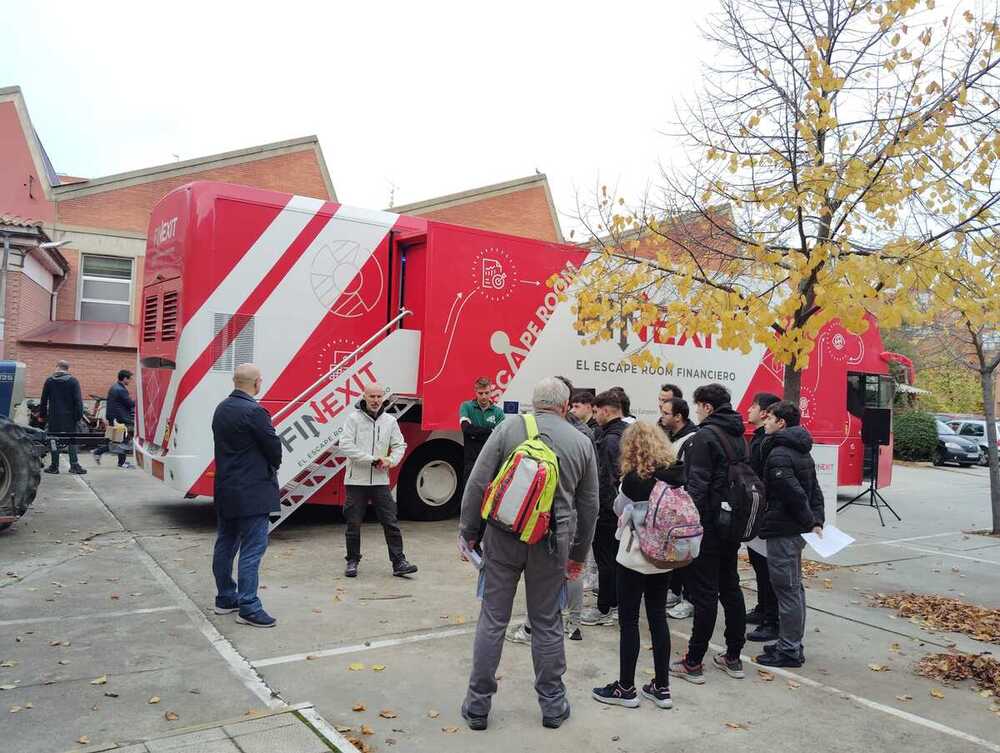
346	279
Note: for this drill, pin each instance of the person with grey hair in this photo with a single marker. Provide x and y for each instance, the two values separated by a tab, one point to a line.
62	408
545	565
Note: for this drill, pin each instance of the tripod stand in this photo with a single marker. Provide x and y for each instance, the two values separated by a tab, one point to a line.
875	499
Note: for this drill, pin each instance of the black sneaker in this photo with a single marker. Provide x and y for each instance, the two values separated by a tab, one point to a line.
402	567
755	616
732	667
763	632
772	648
52	469
615	695
659	696
477	723
351	571
555	722
260	619
222	607
778	659
78	470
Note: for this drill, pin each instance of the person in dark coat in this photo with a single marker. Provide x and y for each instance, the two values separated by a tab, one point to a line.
62	408
765	614
247	458
713	577
120	409
794	507
610	415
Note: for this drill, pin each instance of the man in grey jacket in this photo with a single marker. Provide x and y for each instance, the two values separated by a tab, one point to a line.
545	565
373	442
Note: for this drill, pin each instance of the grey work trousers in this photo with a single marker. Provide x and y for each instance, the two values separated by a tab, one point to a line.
784	564
544	567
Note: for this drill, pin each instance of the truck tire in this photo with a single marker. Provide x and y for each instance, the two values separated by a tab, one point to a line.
430	484
20	469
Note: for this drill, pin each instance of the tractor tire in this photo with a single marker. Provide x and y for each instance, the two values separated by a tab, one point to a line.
20	469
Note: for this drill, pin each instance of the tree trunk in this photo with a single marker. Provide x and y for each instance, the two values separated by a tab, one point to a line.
793	385
987	378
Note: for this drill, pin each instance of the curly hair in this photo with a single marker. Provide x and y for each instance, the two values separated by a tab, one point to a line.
644	449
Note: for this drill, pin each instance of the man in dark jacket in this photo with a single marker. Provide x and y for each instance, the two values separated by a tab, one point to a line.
765	614
713	576
120	409
247	457
608	409
794	507
62	408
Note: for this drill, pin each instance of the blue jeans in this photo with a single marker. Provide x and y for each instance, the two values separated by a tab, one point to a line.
249	536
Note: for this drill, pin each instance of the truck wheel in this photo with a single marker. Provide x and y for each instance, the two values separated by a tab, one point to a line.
20	471
430	485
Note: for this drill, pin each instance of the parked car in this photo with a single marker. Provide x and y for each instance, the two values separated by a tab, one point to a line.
975	429
954	448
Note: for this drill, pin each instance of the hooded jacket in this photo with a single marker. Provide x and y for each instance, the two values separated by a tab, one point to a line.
794	499
680	440
638	489
609	453
707	466
366	439
62	403
756	446
121	406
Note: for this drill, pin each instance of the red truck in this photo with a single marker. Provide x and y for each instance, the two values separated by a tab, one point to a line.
327	299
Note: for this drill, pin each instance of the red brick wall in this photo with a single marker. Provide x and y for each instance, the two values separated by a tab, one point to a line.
526	213
27	309
96	368
129	208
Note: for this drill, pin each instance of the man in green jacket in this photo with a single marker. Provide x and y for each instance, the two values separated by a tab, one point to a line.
478	418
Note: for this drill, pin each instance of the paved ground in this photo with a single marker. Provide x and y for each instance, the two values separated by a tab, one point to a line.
109	580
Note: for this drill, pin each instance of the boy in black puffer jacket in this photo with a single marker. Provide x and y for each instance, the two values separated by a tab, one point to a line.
794	507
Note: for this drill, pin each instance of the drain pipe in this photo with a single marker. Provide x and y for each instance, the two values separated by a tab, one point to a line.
3	286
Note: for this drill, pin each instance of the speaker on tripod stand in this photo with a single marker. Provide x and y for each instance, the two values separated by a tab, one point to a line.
876	431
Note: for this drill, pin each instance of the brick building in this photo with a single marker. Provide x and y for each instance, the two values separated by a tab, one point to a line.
84	307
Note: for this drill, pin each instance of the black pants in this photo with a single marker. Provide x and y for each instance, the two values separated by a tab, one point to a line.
713	578
385	508
632	587
678	584
767	602
605	550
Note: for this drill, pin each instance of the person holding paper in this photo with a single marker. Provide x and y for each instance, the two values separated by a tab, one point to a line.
765	614
794	507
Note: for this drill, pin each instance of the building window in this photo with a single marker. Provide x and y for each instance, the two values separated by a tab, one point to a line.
106	289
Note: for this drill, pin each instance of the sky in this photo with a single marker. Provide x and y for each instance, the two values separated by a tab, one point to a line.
427	97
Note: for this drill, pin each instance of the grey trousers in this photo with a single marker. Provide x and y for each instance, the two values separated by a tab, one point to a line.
784	564
544	567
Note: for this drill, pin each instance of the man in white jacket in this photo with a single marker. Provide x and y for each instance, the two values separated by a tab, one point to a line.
373	442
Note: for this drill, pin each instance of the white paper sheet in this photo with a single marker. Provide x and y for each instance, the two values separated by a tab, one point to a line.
832	541
758	545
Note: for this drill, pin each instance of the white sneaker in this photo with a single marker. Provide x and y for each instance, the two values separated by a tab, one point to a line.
681	611
594	616
519	634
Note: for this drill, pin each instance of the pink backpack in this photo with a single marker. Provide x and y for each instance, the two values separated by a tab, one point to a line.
670	536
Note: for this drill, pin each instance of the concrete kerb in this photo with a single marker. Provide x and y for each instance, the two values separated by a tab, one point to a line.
304	712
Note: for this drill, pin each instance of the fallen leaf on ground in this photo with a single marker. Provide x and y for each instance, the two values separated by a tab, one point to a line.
64	661
765	675
878	668
358	707
935	693
932	612
7	687
827	583
982	668
458	620
378	667
154	699
15	709
310	657
433	714
170	716
8	664
390	741
110	694
895	647
342	729
367	730
55	643
388	714
735	725
102	680
317	611
83	740
792	684
906	697
449	730
355	666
